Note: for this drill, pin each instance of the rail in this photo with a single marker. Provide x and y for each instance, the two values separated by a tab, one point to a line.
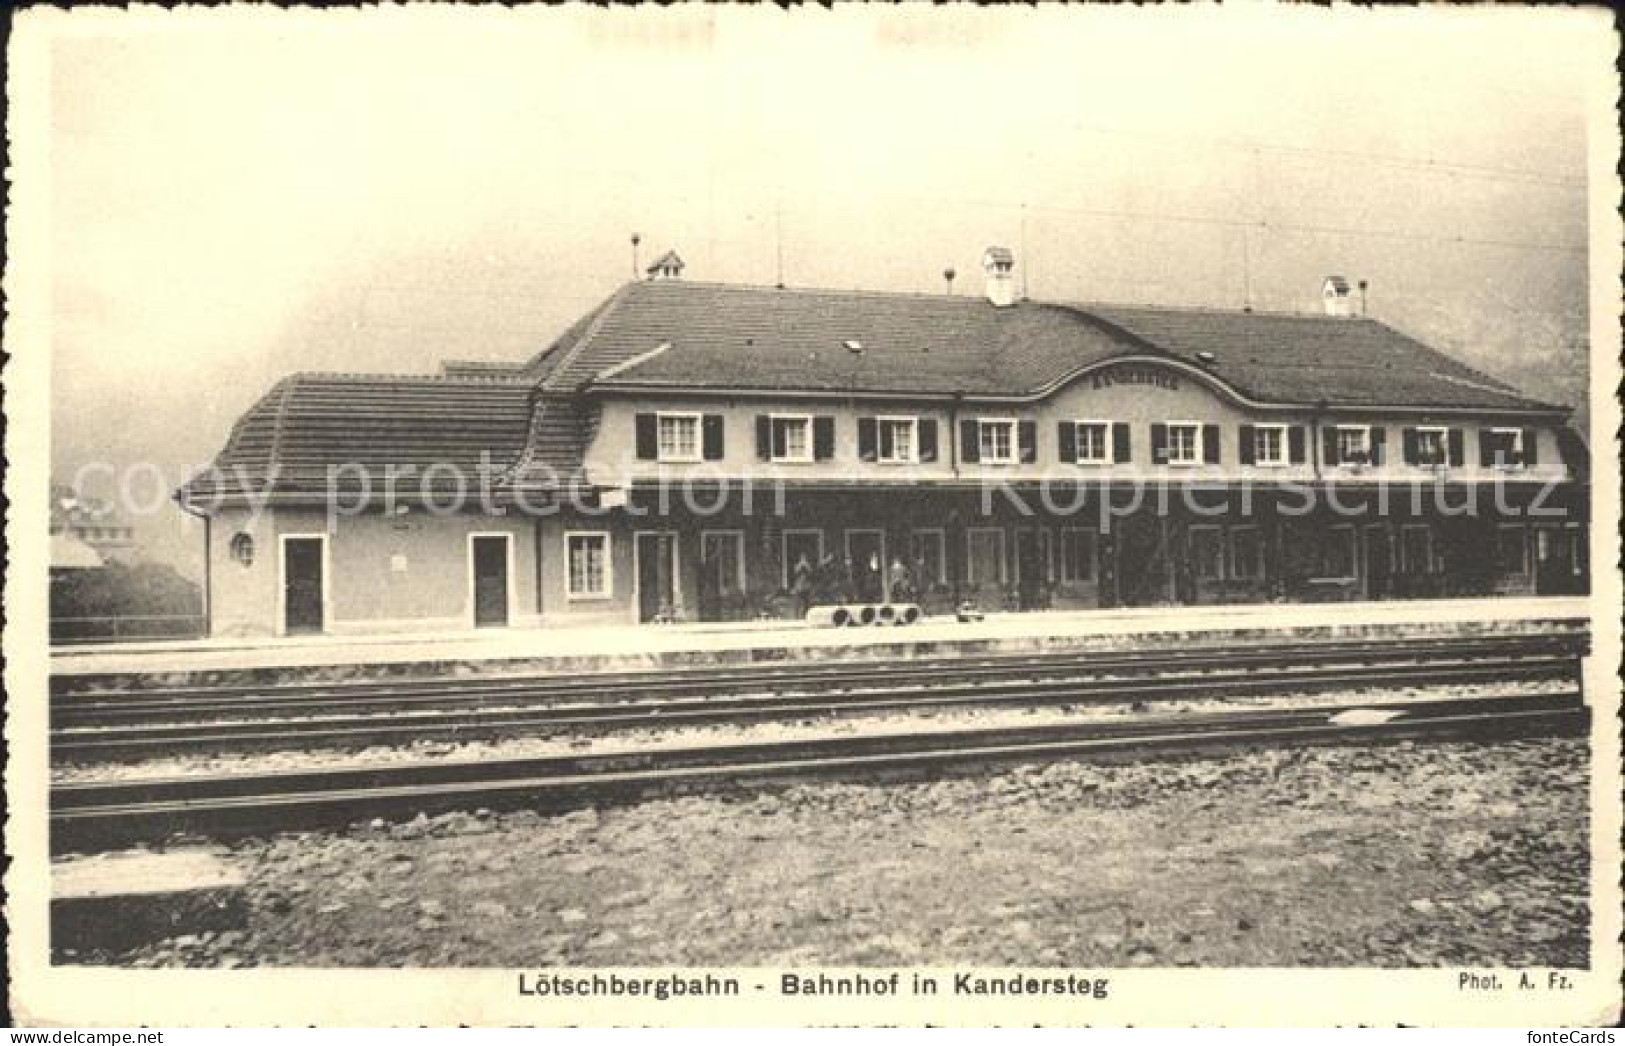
105	814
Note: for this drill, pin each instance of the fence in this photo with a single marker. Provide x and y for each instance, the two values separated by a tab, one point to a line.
130	628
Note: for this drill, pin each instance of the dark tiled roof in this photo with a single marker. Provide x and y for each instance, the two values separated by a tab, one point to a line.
1284	358
310	422
529	420
558	436
764	338
733	337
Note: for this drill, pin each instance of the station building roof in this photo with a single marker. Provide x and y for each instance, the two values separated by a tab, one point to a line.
526	420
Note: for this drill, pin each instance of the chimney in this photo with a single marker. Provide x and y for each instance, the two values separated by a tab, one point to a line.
1334	297
666	267
1000	266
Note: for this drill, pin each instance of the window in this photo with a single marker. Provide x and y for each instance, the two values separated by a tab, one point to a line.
1246	554
242	549
897	443
1431	448
998	442
1184	443
679	437
792	438
803	552
1354	444
1077	554
1094	443
1577	548
1511	550
1415	549
1337	553
1503	448
587	556
930	565
1269	445
1207	553
985	562
722	557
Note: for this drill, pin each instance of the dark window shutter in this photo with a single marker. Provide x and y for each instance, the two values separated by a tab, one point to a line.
1487	446
928	439
1159	443
711	435
1248	454
764	436
1378	441
1458	450
1210	444
1296	452
648	439
823	438
1328	446
970	442
1027	440
1409	445
1122	449
888	442
1066	437
866	439
1529	456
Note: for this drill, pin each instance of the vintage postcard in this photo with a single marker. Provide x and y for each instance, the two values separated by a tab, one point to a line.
1079	515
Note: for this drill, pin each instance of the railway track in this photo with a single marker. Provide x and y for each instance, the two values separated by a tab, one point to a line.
100	815
132	725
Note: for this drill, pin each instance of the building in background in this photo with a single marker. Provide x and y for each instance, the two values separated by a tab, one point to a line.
705	451
92	522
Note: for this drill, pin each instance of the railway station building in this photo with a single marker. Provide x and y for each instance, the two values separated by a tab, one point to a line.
693	451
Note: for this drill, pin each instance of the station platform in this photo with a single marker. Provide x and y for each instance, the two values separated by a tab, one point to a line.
633	647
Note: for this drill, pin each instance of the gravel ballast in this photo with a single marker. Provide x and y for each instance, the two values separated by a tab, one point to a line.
1404	855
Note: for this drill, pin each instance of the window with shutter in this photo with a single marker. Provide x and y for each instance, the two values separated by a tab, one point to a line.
996	441
1430	446
1504	448
1183	443
678	437
1267	444
792	438
1091	442
1352	445
898	445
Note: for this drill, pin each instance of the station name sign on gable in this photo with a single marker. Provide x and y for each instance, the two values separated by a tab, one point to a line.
1133	374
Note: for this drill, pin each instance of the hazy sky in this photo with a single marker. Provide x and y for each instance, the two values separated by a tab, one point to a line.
237	196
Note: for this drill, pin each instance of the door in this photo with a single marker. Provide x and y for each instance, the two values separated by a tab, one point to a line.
866	552
1143	575
1377	561
1031	569
657	577
302	602
721	580
490	570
